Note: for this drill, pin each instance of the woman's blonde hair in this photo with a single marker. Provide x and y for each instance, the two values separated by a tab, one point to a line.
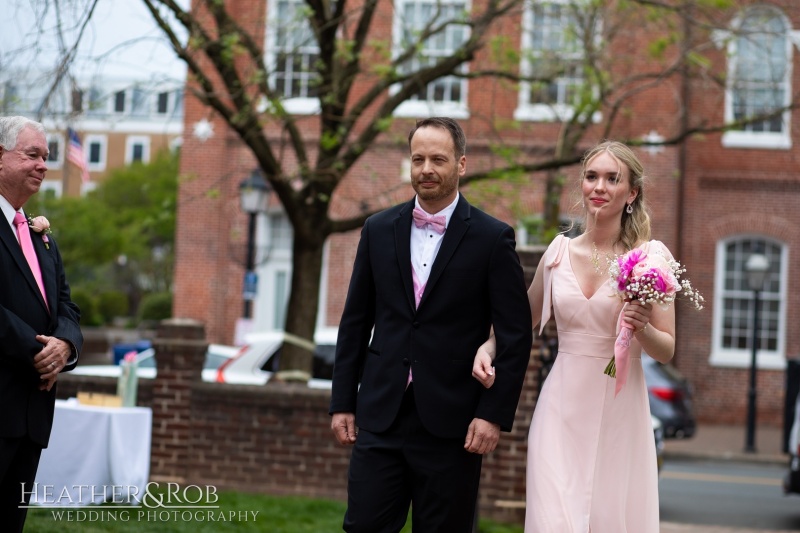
635	225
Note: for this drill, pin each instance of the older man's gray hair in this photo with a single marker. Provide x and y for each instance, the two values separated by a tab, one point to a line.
10	128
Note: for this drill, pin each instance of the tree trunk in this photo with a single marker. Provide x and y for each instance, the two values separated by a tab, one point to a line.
552	205
302	309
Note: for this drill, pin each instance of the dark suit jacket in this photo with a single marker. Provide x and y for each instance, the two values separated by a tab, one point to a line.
23	315
476	281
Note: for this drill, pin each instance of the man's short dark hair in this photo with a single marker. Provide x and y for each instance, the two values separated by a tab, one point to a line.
446	123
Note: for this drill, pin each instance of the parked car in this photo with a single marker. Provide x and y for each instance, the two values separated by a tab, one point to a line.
670	396
216	355
791	483
658	435
258	360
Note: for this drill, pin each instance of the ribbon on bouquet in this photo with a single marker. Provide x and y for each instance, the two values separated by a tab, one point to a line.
622	352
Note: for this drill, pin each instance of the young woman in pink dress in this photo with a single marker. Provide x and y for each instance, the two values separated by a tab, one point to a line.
591	454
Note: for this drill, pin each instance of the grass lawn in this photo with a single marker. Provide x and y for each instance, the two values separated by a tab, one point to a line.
237	512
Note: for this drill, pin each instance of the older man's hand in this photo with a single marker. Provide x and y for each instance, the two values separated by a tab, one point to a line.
51	360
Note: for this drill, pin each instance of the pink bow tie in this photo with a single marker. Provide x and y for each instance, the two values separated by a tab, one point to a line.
438	222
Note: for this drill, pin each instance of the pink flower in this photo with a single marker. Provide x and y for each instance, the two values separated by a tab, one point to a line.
41	225
627	263
665	282
660	270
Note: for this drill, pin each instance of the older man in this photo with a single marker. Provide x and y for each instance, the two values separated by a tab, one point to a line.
39	331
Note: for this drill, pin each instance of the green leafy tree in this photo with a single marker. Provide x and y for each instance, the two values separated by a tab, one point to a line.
362	78
119	237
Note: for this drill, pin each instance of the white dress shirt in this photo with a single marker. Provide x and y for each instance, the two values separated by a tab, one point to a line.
425	242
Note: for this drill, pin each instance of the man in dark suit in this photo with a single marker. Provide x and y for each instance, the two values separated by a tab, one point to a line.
39	331
424	294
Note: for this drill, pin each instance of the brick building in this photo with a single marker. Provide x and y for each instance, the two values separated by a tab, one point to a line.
715	198
118	120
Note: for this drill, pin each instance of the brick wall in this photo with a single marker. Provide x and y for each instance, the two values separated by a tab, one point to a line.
275	439
699	193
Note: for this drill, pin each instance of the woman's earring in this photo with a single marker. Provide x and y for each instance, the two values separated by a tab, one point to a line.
629	209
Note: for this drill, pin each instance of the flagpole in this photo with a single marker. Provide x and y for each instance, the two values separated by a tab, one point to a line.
65	166
76	156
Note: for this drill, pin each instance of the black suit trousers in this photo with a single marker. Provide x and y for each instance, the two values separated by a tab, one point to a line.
19	459
407	465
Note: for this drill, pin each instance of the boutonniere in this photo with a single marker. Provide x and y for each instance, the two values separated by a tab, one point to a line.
41	225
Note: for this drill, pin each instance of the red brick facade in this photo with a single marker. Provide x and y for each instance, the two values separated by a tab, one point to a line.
274	439
699	192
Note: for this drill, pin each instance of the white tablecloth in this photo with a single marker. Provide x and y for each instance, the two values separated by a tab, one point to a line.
95	454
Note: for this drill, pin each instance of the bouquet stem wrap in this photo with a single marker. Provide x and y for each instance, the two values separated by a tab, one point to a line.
620	364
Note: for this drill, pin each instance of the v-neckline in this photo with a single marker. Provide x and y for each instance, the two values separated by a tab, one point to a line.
575	277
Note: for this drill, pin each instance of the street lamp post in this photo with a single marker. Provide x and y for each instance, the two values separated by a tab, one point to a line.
253	197
756	268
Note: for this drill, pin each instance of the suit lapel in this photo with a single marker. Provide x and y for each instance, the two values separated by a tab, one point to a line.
458	226
402	243
9	240
48	269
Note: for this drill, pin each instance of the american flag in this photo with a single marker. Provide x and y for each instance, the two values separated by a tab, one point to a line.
75	154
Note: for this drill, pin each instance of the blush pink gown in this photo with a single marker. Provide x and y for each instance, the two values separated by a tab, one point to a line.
591	456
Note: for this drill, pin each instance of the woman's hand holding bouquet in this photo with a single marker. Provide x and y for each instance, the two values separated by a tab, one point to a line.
649	278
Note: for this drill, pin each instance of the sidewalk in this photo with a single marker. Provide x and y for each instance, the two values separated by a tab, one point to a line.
668	527
727	443
724	443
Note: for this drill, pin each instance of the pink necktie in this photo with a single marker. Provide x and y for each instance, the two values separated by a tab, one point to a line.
24	235
437	222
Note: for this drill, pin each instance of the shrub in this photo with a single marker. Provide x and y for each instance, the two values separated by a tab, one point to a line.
112	304
156	306
85	301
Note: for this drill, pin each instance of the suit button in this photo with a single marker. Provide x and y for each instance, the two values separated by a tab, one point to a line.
406	362
415	324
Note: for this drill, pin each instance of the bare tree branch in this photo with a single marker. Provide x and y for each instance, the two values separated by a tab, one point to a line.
67	55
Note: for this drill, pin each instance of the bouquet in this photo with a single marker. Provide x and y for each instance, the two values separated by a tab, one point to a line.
648	278
127	382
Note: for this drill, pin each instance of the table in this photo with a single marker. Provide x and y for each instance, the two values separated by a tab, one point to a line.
95	454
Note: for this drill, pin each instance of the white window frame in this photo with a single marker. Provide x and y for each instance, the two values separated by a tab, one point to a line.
87	187
95	104
273	264
296	105
58	138
57	186
157	100
538	111
737	357
173	101
140	102
405	170
752	139
426	108
11	99
126	106
131	141
102	140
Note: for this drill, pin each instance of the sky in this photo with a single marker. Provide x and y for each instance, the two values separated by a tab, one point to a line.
122	39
